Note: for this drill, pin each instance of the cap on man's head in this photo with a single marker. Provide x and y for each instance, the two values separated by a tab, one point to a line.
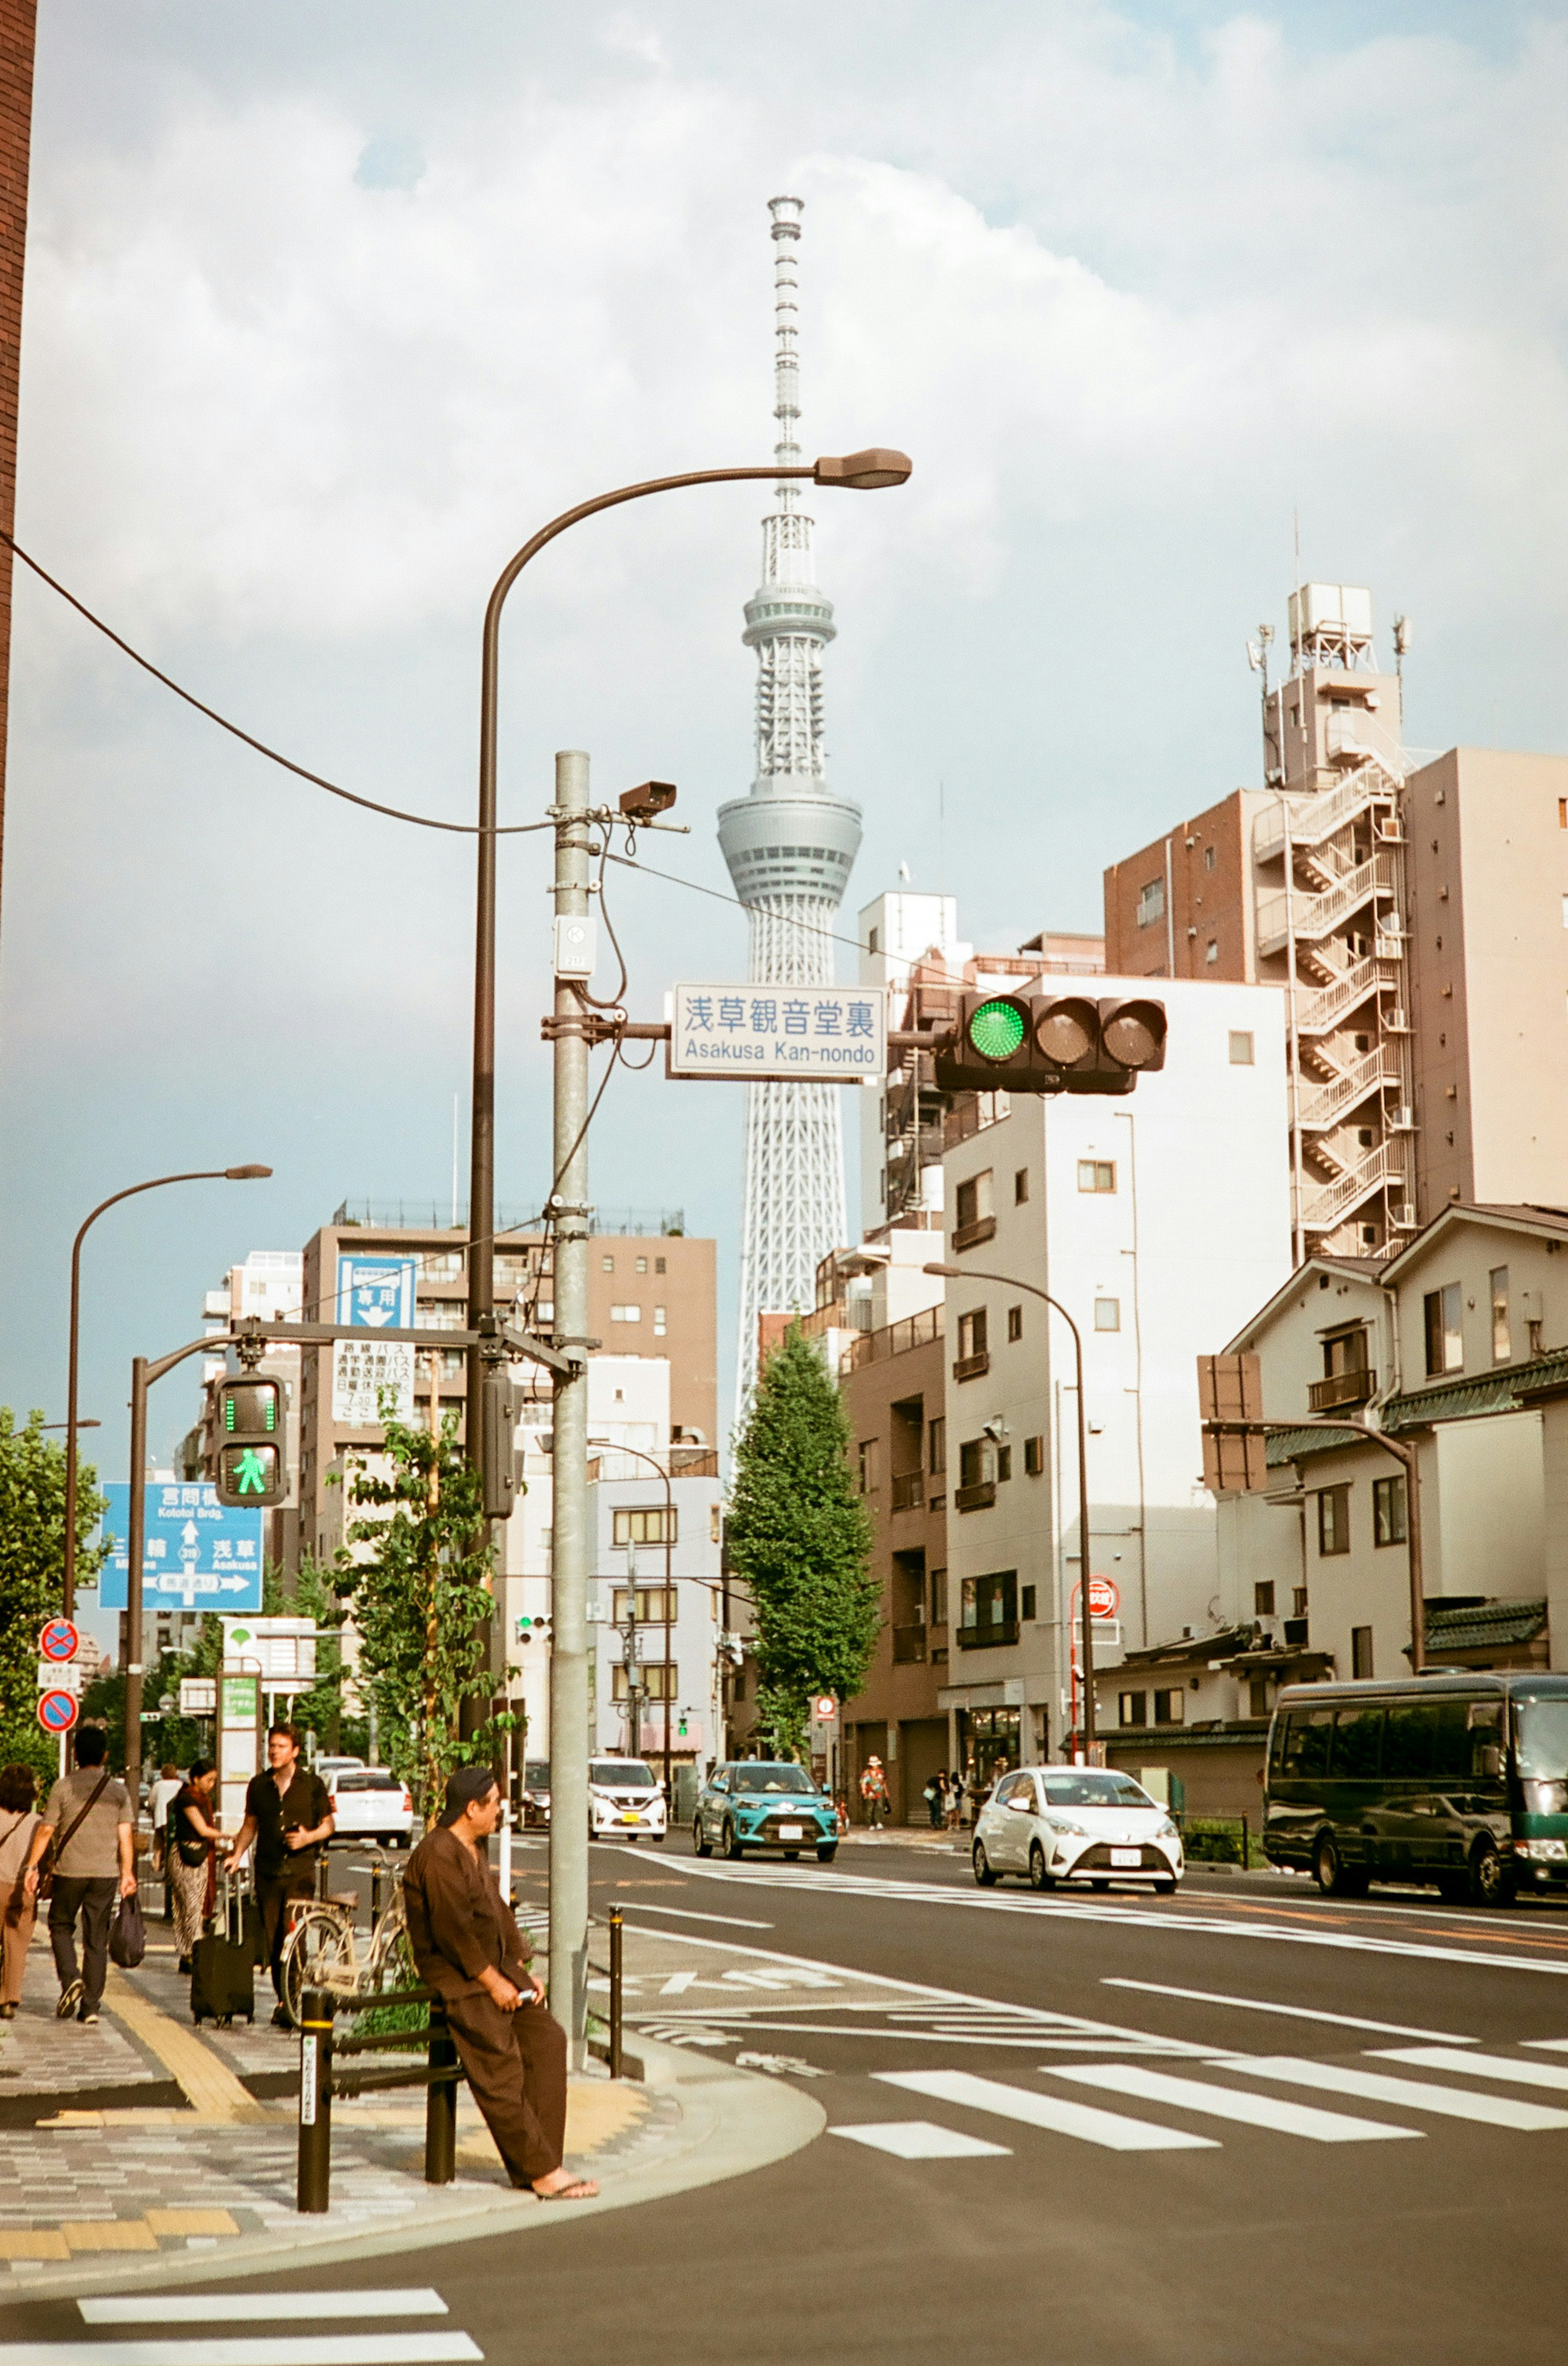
469	1784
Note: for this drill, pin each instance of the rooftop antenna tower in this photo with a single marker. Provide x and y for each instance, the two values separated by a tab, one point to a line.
790	846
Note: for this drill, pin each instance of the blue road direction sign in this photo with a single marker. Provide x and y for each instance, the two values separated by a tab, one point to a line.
199	1555
805	1034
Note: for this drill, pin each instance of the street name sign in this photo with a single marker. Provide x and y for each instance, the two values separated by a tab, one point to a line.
806	1034
199	1555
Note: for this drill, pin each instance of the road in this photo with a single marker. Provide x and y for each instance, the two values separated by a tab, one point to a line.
1246	2124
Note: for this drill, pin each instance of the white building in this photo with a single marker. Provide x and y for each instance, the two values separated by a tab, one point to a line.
680	1666
1145	1216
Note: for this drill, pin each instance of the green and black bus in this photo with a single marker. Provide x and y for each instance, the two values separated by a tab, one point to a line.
1455	1780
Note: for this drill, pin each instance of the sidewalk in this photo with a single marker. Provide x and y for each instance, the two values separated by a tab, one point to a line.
143	2151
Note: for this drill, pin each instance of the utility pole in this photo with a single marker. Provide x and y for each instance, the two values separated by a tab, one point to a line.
568	1214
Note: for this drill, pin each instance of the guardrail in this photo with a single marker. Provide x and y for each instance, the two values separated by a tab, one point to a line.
320	2080
1217	1839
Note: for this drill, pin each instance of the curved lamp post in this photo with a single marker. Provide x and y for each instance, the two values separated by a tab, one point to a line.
203	1175
1011	1281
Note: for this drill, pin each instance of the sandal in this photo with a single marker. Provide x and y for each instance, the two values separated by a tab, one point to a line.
581	2188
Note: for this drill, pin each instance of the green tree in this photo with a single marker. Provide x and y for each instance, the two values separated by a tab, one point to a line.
800	1540
416	1599
32	1560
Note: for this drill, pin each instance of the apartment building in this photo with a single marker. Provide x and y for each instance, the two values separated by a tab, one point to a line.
677	1602
1141	1215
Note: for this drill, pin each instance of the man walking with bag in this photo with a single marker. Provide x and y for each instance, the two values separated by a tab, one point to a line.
89	1817
467	1947
288	1814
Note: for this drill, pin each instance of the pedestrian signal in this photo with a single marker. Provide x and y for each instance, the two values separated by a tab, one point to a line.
499	1409
1050	1044
252	1468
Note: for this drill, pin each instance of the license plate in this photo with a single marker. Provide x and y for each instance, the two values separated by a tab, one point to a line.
631	1820
1127	1856
791	1831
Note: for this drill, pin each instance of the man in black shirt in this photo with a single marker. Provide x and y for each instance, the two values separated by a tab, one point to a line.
288	1815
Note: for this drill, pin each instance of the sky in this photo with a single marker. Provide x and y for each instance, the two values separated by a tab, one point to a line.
329	306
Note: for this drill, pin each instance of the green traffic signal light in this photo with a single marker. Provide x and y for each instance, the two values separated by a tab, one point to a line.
996	1030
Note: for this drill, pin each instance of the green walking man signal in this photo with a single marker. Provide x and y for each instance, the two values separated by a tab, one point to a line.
253	1473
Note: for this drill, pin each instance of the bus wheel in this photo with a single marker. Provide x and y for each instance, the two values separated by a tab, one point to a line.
1333	1876
1489	1883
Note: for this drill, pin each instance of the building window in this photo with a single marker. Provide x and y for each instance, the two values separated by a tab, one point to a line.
1171	1708
987	1610
1263	1599
1565	911
1151	904
654	1604
867	1460
1004	1462
1361	1650
1333	1520
1298	1602
973	1330
642	1265
1212	954
1097	1174
938	1436
1389	1511
1014	1323
1034	1456
1132	1708
661	1323
1107	1314
659	1265
1020	1187
974	1458
1028	1601
974	1202
1562	813
1445	1340
1258	1697
625	1314
608	1264
938	1597
1208	858
715	1517
660	1680
1502	1334
635	1525
1241	1049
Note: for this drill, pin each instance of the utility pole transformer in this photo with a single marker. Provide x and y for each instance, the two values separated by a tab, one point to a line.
568	1213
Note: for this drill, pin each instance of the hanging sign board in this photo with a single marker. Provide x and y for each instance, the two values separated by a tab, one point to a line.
802	1034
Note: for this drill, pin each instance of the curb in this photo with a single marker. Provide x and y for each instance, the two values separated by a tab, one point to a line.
732	2121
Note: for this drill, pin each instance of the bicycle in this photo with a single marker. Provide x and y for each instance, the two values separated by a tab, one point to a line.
322	1951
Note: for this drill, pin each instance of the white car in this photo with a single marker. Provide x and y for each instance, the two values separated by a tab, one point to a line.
1076	1823
624	1801
371	1803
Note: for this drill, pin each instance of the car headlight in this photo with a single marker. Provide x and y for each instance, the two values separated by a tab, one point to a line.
1066	1824
1542	1851
1166	1830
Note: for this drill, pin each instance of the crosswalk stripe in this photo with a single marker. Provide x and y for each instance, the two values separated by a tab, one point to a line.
256	2308
921	2140
1112	2129
305	2349
1414	2094
1479	2066
1230	2103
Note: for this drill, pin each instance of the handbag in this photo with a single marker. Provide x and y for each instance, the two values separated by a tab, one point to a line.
57	1849
128	1935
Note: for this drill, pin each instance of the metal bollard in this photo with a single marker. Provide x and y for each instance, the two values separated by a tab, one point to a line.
441	2104
616	1947
322	1877
313	2189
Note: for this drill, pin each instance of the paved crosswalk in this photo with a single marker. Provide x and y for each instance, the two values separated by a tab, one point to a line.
170	2313
1234	2088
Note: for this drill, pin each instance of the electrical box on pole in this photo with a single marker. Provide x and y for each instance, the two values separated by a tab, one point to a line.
1050	1044
499	1413
252	1468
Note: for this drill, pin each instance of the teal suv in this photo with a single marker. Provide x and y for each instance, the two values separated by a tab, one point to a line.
754	1803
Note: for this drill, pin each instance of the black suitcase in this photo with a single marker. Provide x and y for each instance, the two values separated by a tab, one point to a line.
223	1982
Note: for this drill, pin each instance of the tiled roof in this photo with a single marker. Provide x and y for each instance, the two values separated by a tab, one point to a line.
1481	1625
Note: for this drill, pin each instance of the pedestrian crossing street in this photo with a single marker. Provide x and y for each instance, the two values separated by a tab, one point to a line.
170	2337
1236	2088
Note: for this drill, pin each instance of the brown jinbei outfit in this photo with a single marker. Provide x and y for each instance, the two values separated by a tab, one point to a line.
516	2062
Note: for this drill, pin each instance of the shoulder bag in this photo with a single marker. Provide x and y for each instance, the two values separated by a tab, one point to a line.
56	1849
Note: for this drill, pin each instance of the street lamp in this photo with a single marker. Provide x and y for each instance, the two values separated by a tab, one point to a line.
204	1175
1010	1281
866	472
654	1464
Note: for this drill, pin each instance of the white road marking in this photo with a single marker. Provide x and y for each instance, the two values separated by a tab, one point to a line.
1478	2066
255	2308
913	1893
1291	2012
677	1983
1549	2045
689	1914
921	2140
1111	2129
303	2349
1414	2094
1230	2103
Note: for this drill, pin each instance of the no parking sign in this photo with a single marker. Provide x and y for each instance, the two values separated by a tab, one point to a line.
57	1711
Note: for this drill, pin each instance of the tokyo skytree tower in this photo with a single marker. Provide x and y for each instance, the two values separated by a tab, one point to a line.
790	846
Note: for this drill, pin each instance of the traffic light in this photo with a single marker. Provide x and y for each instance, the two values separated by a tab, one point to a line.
253	1470
499	1411
1050	1044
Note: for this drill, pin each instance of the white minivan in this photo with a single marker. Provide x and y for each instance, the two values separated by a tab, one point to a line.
625	1801
1087	1824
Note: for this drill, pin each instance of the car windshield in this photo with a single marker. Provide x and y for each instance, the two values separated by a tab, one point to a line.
621	1774
1543	1737
771	1778
373	1778
536	1774
1088	1787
